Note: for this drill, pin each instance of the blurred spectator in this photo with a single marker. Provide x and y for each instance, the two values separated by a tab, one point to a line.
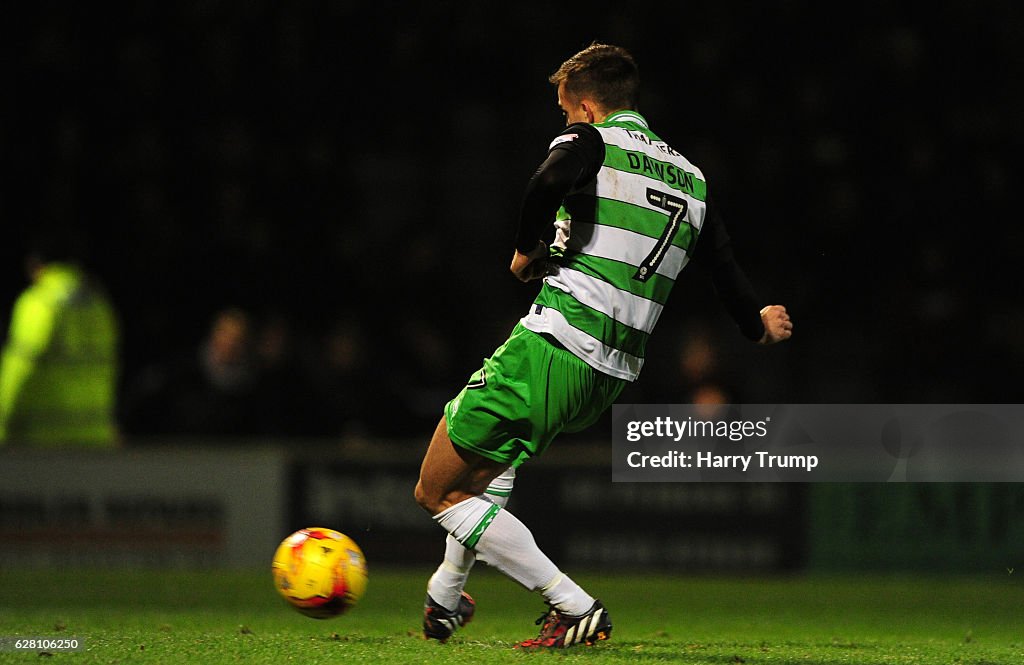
345	385
209	391
288	403
58	371
421	374
700	370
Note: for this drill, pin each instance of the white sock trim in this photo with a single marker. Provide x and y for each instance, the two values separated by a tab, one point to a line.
450	567
554	582
467	520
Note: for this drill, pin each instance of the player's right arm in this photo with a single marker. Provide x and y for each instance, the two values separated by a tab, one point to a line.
764	325
777	324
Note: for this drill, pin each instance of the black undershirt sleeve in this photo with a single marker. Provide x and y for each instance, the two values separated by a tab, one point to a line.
575	156
714	253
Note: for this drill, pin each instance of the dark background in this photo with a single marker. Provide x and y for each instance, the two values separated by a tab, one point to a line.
359	167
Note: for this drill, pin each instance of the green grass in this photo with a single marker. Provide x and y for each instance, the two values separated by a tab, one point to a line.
236	617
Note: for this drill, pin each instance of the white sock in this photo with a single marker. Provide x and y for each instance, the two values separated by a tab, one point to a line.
567	596
504	542
510	547
446	584
467	520
501	487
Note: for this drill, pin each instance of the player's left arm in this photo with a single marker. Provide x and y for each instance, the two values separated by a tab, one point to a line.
530	265
573	157
765	325
544	193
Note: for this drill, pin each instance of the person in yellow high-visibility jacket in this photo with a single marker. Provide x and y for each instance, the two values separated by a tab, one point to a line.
59	365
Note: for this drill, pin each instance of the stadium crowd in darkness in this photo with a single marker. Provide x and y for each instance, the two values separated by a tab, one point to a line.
341	182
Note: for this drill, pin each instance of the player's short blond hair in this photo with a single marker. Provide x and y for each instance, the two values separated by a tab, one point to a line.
605	73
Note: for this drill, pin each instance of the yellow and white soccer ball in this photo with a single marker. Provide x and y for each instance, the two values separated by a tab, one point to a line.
320	572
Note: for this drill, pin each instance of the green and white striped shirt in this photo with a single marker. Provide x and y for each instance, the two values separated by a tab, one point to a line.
623	237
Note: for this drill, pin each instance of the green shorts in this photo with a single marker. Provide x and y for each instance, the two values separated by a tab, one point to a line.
524	395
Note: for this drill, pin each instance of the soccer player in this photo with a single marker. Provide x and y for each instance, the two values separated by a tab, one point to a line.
628	210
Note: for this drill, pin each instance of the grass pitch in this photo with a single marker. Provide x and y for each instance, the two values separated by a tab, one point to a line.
236	617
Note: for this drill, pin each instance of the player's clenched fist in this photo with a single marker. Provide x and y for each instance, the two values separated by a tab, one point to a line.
777	324
531	266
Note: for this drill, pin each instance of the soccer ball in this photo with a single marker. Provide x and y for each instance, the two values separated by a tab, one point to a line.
320	572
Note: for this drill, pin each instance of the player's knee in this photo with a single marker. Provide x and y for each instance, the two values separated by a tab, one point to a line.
425	499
